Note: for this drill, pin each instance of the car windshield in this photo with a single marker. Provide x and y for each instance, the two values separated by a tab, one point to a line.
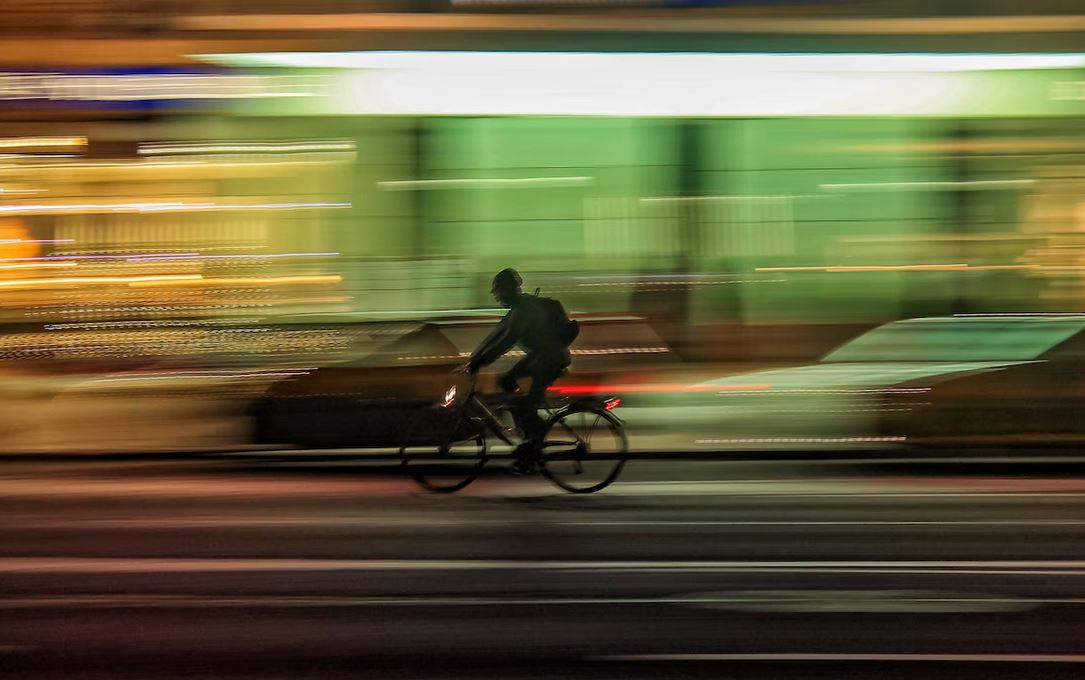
960	339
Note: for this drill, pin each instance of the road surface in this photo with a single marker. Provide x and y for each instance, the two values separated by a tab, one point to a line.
288	566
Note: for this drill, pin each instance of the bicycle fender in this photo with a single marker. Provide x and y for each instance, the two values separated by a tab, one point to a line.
584	404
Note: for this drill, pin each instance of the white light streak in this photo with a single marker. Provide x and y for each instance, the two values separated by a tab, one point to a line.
866	268
639	84
803	440
959	266
239	147
712	199
485	183
1025	315
972	185
630	63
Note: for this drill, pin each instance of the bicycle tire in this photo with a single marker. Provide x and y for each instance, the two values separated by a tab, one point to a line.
569	458
443	450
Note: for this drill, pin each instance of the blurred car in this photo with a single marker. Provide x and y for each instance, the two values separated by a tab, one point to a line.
968	379
368	401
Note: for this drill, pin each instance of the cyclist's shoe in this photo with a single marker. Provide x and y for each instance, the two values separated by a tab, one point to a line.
525	460
523	467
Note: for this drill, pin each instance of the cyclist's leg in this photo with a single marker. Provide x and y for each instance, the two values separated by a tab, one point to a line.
520	407
509	381
525	406
542	377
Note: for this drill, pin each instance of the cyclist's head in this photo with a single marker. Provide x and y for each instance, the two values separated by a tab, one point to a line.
506	286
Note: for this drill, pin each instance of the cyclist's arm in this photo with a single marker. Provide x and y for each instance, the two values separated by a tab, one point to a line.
496	343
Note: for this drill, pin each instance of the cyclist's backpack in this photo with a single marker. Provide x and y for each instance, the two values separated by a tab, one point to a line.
565	329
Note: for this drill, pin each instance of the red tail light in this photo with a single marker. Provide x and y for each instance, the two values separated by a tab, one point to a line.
611	404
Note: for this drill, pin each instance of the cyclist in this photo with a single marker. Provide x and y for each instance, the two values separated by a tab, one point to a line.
540	327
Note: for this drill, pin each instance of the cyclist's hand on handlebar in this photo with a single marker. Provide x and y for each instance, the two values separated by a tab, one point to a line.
464	368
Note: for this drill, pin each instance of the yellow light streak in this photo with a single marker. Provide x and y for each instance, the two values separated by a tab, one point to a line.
39	265
41	142
898	268
155	207
238	281
170	167
45	283
995	267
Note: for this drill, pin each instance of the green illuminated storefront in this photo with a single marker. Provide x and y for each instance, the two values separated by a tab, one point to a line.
793	188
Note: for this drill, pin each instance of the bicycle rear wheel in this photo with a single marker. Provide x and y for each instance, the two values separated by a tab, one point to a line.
443	449
584	450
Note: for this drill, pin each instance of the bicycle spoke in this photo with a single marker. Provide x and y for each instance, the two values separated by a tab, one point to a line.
584	450
436	460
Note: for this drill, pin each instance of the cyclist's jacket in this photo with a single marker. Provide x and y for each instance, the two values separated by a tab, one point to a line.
531	324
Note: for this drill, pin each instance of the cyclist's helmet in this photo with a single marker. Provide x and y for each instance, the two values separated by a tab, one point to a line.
507	280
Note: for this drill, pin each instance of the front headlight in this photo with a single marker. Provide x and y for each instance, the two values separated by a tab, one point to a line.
450	396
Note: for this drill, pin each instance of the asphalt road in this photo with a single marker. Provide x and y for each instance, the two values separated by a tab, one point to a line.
257	566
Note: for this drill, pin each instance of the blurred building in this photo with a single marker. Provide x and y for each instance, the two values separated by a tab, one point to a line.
173	171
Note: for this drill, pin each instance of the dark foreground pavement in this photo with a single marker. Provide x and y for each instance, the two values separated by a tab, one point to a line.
277	567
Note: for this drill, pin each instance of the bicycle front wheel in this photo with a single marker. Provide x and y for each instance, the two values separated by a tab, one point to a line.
584	450
443	450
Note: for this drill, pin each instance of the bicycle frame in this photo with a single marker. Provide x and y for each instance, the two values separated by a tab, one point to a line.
488	418
473	406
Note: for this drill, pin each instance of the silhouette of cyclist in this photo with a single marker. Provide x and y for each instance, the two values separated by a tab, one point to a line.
534	324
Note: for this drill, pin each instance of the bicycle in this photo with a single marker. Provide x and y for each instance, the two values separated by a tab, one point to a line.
446	446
